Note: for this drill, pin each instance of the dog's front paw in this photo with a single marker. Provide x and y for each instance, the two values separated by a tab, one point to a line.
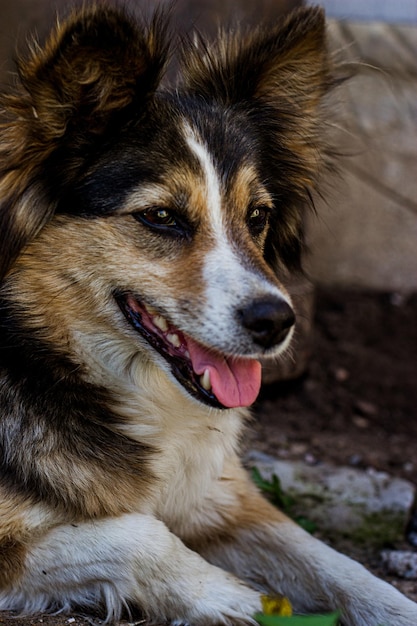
219	599
231	603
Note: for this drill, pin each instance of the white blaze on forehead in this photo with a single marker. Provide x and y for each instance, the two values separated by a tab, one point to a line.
213	186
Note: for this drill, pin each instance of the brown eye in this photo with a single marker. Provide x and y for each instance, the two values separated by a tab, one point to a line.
159	217
165	221
258	219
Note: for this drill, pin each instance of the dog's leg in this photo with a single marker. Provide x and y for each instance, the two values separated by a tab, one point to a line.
274	555
134	560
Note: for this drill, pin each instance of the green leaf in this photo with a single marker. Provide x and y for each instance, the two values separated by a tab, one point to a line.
306	523
274	489
275	493
298	620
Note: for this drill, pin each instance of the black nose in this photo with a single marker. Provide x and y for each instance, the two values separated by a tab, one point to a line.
268	319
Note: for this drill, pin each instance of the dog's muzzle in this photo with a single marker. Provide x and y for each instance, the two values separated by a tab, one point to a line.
216	379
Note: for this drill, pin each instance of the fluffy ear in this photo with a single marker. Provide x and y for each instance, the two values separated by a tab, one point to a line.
97	70
288	60
278	76
92	70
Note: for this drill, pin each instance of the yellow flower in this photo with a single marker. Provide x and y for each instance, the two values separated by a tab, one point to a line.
276	605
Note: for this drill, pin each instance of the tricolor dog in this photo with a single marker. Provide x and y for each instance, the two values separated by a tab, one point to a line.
145	234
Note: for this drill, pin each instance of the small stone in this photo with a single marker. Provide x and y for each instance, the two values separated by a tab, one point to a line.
400	563
341	374
360	422
310	459
366	408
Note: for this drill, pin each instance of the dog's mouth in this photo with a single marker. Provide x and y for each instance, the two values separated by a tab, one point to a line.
215	379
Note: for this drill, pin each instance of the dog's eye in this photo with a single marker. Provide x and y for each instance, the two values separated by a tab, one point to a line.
162	219
159	217
258	218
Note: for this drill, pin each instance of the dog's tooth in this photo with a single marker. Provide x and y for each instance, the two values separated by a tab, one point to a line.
160	322
150	309
205	380
174	339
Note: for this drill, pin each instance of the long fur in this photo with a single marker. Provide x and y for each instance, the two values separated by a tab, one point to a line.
145	236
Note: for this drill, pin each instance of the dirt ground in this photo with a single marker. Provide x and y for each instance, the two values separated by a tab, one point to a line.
356	405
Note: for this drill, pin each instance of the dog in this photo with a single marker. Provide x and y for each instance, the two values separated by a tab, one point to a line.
147	231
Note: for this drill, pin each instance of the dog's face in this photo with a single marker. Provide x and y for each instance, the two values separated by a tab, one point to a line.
155	220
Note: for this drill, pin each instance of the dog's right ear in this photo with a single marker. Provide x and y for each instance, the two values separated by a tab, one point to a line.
97	70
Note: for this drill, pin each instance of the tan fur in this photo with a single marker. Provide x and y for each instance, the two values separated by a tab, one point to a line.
12	549
12	559
21	522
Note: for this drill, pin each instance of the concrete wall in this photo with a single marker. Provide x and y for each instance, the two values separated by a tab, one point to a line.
366	234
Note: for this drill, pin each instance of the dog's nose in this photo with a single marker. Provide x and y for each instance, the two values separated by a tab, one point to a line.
268	320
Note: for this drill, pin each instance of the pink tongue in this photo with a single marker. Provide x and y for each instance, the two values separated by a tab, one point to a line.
235	381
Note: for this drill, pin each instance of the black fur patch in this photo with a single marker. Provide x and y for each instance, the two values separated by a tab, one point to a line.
53	424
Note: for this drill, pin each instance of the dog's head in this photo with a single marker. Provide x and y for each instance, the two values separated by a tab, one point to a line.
158	219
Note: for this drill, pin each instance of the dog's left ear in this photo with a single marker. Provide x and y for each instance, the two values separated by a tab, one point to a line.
287	61
278	76
95	72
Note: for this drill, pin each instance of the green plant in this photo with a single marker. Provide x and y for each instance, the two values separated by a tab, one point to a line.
275	493
331	619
